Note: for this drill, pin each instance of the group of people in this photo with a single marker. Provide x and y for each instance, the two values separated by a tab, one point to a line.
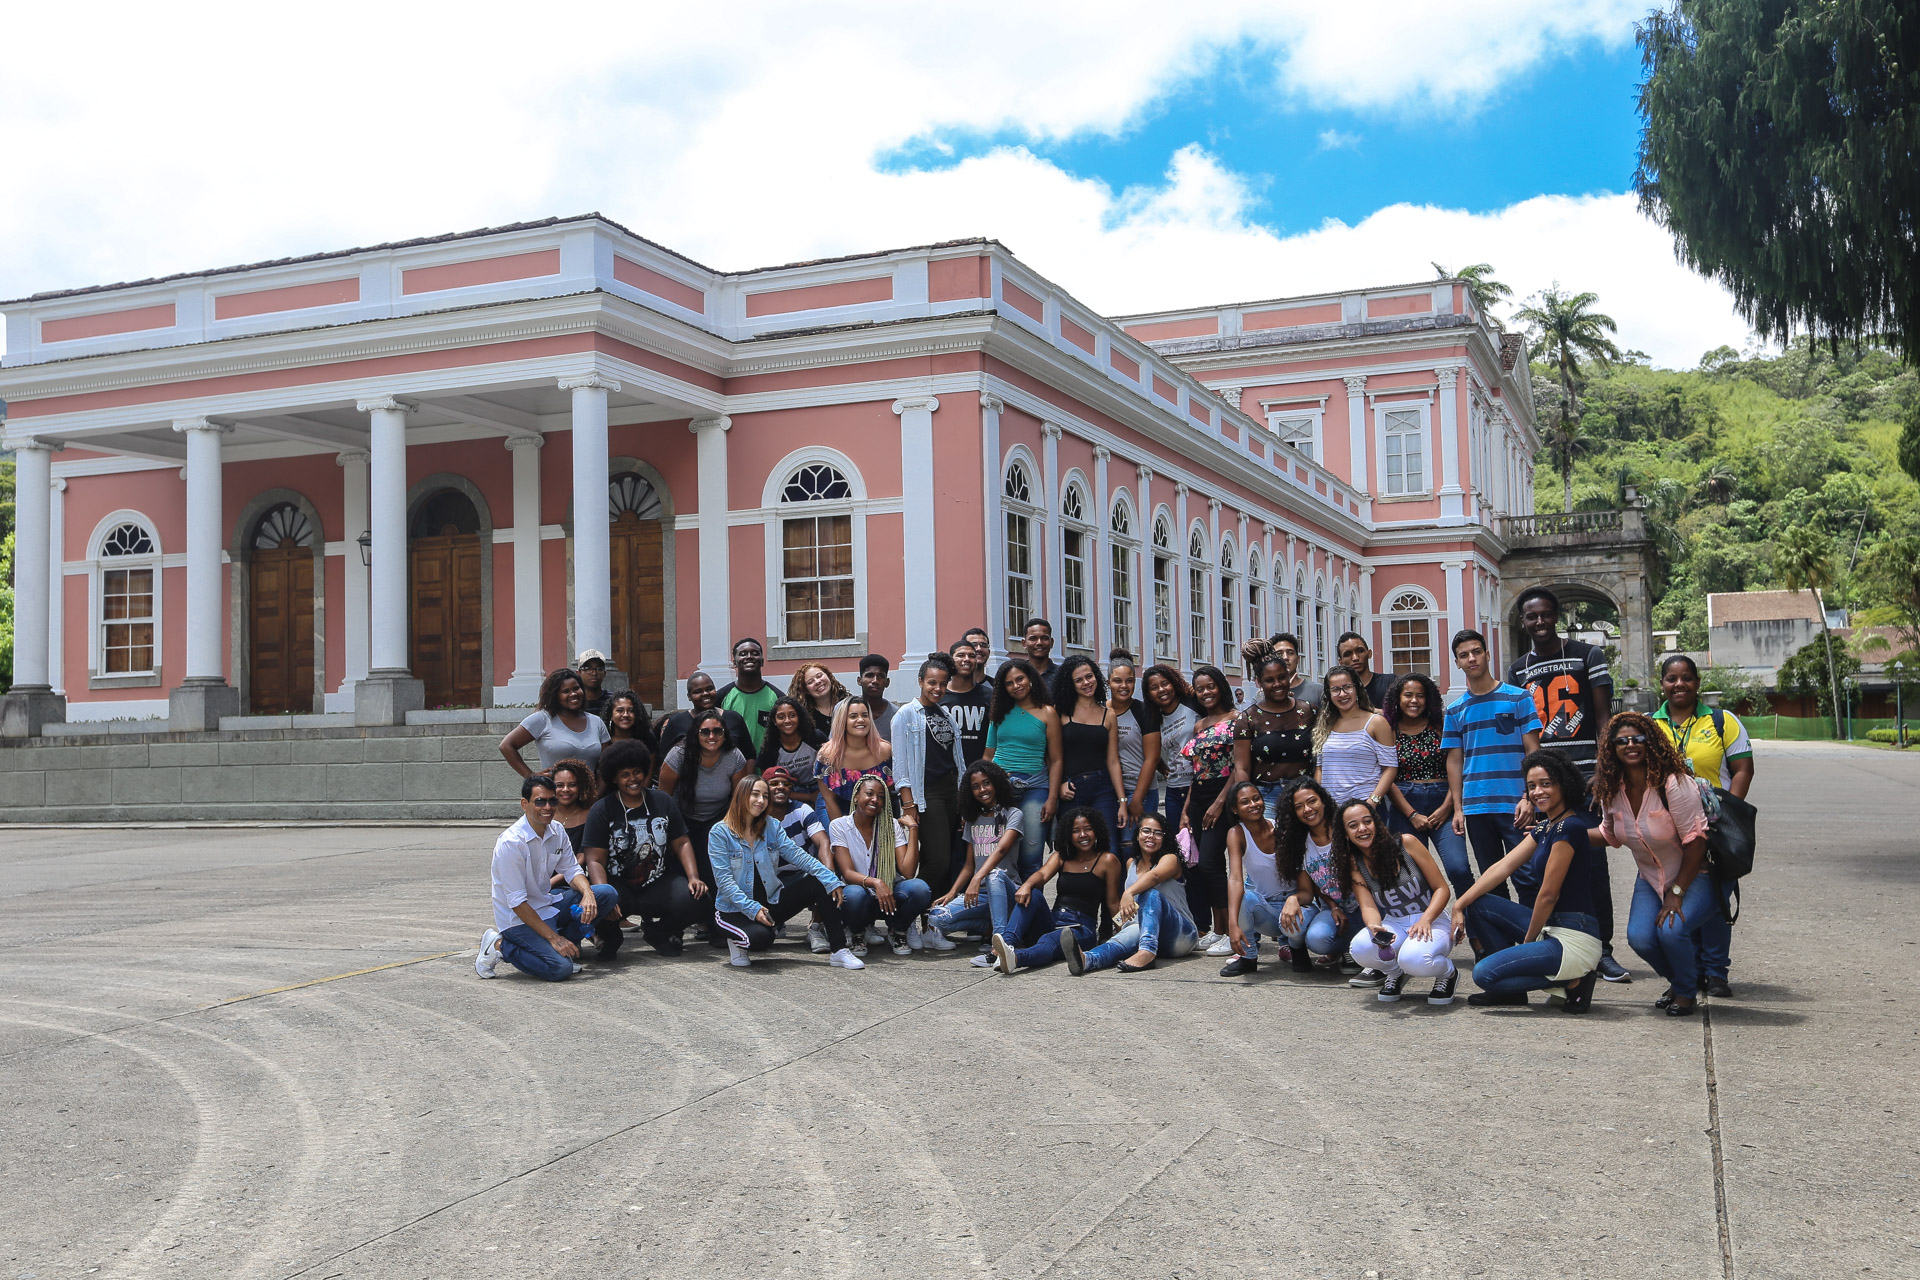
1341	820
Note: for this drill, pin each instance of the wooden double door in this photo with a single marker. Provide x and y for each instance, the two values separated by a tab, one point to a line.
280	630
448	622
637	566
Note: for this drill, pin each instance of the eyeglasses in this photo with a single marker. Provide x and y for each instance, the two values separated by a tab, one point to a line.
711	732
543	802
1631	740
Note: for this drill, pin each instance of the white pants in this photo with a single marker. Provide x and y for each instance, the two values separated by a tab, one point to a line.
1413	957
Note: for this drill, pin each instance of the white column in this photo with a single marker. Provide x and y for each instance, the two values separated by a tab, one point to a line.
355	519
1310	655
996	528
1181	641
206	629
387	612
32	562
1453	604
921	592
710	458
1357	433
592	536
1049	559
1100	588
1143	577
1370	616
56	589
1213	580
523	686
1452	497
1267	591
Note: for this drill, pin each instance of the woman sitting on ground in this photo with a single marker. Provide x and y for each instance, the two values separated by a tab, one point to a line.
1089	875
790	745
981	897
1153	914
1254	880
1403	897
853	751
1354	744
1651	804
561	729
750	900
574	787
1550	938
1322	912
877	858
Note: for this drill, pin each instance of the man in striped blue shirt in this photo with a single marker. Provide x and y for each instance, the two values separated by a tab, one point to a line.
1489	730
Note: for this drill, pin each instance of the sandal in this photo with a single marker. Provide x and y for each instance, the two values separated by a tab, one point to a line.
1580	994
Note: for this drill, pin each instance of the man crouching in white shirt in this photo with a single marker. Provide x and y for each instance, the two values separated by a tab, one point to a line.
534	927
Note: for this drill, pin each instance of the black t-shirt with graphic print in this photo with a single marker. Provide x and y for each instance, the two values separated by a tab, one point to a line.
637	840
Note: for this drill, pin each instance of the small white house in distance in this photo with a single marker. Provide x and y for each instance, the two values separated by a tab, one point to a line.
1756	631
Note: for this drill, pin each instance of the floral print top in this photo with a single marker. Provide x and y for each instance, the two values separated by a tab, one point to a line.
1421	759
841	781
1211	751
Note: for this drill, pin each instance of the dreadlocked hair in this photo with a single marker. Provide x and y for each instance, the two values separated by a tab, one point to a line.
1663	759
885	866
1254	651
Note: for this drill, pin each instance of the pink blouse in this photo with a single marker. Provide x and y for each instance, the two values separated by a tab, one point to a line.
1656	833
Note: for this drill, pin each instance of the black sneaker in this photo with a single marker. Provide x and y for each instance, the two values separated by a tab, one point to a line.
1613	971
1495	1000
1443	986
1390	988
1367	978
1717	988
1070	948
1239	965
1302	959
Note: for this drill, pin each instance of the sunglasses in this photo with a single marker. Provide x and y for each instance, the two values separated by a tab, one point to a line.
546	802
1631	740
713	733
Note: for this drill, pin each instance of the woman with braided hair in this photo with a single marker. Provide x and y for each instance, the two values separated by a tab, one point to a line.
877	858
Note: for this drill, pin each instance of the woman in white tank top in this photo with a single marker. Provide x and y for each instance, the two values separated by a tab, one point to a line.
1254	883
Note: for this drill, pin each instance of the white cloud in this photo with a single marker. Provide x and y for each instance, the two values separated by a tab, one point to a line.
1334	140
186	140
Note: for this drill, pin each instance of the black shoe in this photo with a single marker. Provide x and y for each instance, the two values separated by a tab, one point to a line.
1678	1010
1496	999
1124	967
609	948
1443	986
1665	1000
1717	988
1367	978
1302	959
1612	970
1239	965
1580	994
1391	987
1070	948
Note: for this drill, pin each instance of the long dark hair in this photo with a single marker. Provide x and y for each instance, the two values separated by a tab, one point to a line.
1663	760
1382	857
1330	714
1181	693
642	723
1165	838
1065	696
1430	690
1219	679
803	716
551	686
1063	832
971	810
1003	702
1560	770
1292	844
690	757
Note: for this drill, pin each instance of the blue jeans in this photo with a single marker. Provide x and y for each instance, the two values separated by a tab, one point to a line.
1123	842
1673	951
1176	798
860	906
1043	924
1259	912
993	911
1716	940
1451	849
1511	965
532	954
1030	793
1493	836
1095	791
1320	932
1158	928
1272	792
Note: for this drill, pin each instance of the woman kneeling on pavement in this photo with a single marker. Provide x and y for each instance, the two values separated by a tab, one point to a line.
1089	875
1403	901
1254	883
1153	914
1550	937
747	849
1316	920
877	858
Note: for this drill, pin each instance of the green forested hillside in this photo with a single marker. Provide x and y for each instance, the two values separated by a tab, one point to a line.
1733	454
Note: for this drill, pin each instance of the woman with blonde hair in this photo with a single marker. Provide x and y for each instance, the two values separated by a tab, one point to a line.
853	751
750	900
879	860
819	693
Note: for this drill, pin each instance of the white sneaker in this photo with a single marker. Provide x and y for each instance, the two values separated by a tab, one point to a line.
737	955
859	947
845	959
1208	941
488	960
914	937
983	961
817	938
936	940
1224	947
577	966
1002	954
901	944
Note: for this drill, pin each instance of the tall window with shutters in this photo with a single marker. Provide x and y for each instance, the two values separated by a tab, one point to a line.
1017	493
1229	608
1197	640
1164	569
816	541
1120	550
1075	539
1300	629
129	573
1410	627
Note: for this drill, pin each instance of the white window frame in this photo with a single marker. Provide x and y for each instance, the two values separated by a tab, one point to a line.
1034	517
1256	613
1315	418
97	567
1302	620
1322	637
1229	593
1076	488
1424	434
772	516
1122	546
1166	591
1199	585
1425	611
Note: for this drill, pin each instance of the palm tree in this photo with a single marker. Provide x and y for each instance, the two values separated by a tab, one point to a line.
1481	287
1567	326
1803	559
1719	484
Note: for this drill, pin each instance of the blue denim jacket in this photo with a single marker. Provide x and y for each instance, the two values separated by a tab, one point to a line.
910	751
734	864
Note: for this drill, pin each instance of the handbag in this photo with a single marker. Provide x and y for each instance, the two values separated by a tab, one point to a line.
1731	824
1189	851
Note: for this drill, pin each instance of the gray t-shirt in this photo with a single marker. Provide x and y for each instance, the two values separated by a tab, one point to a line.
556	742
1308	691
712	788
1175	729
1135	723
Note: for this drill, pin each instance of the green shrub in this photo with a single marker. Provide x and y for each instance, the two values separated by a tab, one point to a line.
1881	735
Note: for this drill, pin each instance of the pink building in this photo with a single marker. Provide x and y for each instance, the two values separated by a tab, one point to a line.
352	483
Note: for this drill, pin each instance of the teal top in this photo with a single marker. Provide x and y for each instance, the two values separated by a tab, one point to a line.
1019	743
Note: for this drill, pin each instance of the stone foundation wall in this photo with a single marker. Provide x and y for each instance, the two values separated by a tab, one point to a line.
413	773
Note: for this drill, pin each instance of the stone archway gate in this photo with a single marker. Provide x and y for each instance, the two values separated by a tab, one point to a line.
1603	556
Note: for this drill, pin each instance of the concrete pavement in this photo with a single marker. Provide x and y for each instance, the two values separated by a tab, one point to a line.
922	1117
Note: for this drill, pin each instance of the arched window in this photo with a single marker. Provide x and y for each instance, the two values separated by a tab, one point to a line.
1410	624
1300	627
1017	490
282	526
816	555
1356	621
1197	645
630	494
1256	596
1120	551
1322	621
1229	607
127	609
1163	587
1076	539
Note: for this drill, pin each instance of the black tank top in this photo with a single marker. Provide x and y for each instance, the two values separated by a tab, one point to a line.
1083	748
1082	890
